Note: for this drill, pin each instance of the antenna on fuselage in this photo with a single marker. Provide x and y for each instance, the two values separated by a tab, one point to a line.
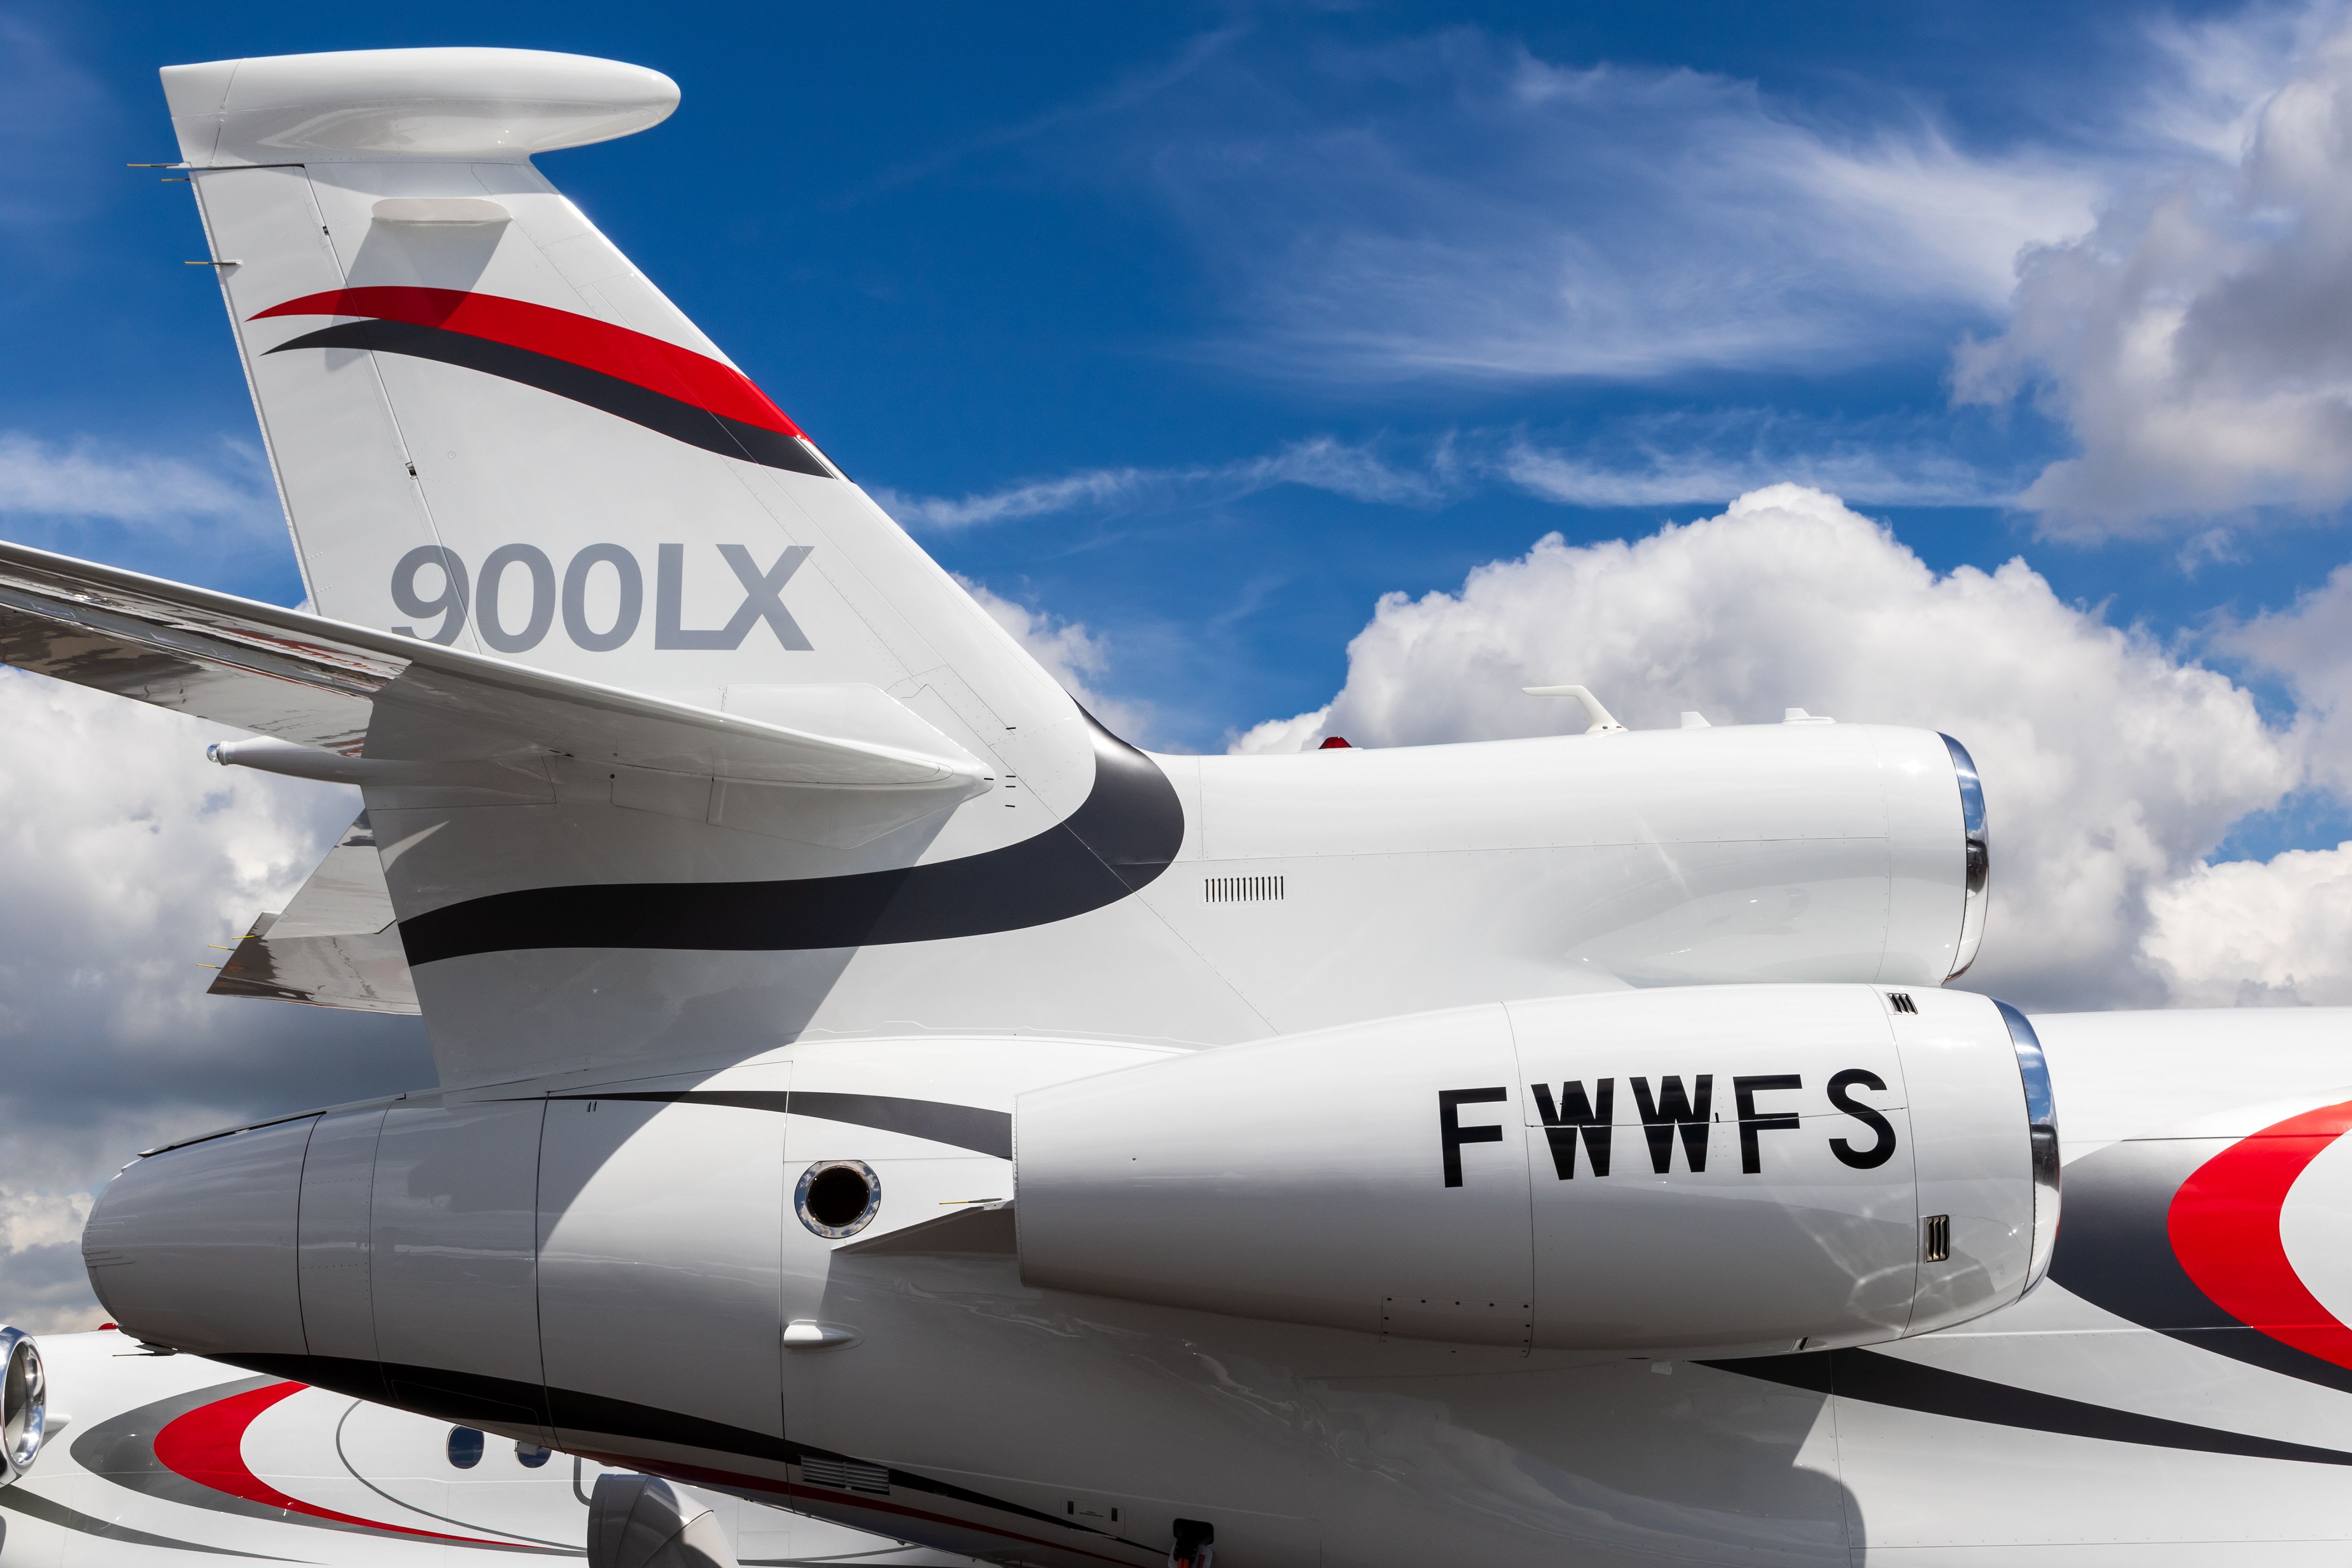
1602	723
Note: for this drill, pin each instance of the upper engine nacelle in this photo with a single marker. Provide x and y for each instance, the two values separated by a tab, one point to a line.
1733	1168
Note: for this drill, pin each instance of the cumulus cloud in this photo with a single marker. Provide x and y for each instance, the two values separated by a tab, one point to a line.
1071	654
2198	342
2257	932
2305	645
1318	462
1276	736
125	854
40	1261
1454	205
2112	766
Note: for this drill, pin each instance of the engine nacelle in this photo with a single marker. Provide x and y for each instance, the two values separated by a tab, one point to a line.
1719	1169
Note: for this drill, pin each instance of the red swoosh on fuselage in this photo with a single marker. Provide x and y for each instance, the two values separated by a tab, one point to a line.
632	356
207	1446
2224	1227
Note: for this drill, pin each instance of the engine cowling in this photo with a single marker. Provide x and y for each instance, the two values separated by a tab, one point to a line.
1719	1169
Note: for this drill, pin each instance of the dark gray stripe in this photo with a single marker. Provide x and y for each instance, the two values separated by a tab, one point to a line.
121	1450
426	1512
578	1416
657	411
1125	834
1932	1391
21	1500
2114	1250
964	1126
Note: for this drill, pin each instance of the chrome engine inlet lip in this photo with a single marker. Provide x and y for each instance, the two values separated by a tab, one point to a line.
24	1402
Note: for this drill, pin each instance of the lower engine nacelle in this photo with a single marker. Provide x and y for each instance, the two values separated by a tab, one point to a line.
1721	1169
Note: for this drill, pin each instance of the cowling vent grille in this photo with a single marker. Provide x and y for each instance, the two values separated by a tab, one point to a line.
845	1475
1242	889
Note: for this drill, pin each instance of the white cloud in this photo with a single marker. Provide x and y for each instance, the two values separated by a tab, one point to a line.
1071	654
1318	462
1700	466
2306	643
2249	932
1276	736
2198	342
40	1261
30	1219
2112	766
125	854
1633	460
1455	206
39	479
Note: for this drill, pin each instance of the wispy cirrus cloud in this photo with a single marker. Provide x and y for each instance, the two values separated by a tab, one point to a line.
90	481
1710	458
1454	206
1640	461
1320	462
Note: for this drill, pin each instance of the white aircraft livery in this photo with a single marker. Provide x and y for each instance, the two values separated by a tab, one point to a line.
868	1086
118	1456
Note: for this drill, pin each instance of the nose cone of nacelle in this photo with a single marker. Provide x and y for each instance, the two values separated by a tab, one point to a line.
193	1246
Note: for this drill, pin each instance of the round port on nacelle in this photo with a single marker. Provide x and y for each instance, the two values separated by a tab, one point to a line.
838	1199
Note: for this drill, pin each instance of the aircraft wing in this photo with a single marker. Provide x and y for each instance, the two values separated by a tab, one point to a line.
347	693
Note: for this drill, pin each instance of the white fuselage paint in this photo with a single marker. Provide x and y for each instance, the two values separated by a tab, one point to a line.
386	1485
2313	1224
1357	884
996	1406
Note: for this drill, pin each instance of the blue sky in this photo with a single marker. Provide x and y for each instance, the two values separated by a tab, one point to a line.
973	248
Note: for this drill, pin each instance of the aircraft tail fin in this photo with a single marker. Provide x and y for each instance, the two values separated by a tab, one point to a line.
492	432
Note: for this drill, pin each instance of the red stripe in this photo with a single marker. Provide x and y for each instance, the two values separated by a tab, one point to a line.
631	356
207	1446
2224	1227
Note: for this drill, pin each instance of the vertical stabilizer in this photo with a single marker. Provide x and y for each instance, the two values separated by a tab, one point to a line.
492	432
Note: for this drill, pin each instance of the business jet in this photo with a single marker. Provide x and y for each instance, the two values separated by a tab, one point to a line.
115	1456
867	1083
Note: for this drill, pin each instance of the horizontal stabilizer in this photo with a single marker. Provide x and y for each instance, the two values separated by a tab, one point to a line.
334	945
346	692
